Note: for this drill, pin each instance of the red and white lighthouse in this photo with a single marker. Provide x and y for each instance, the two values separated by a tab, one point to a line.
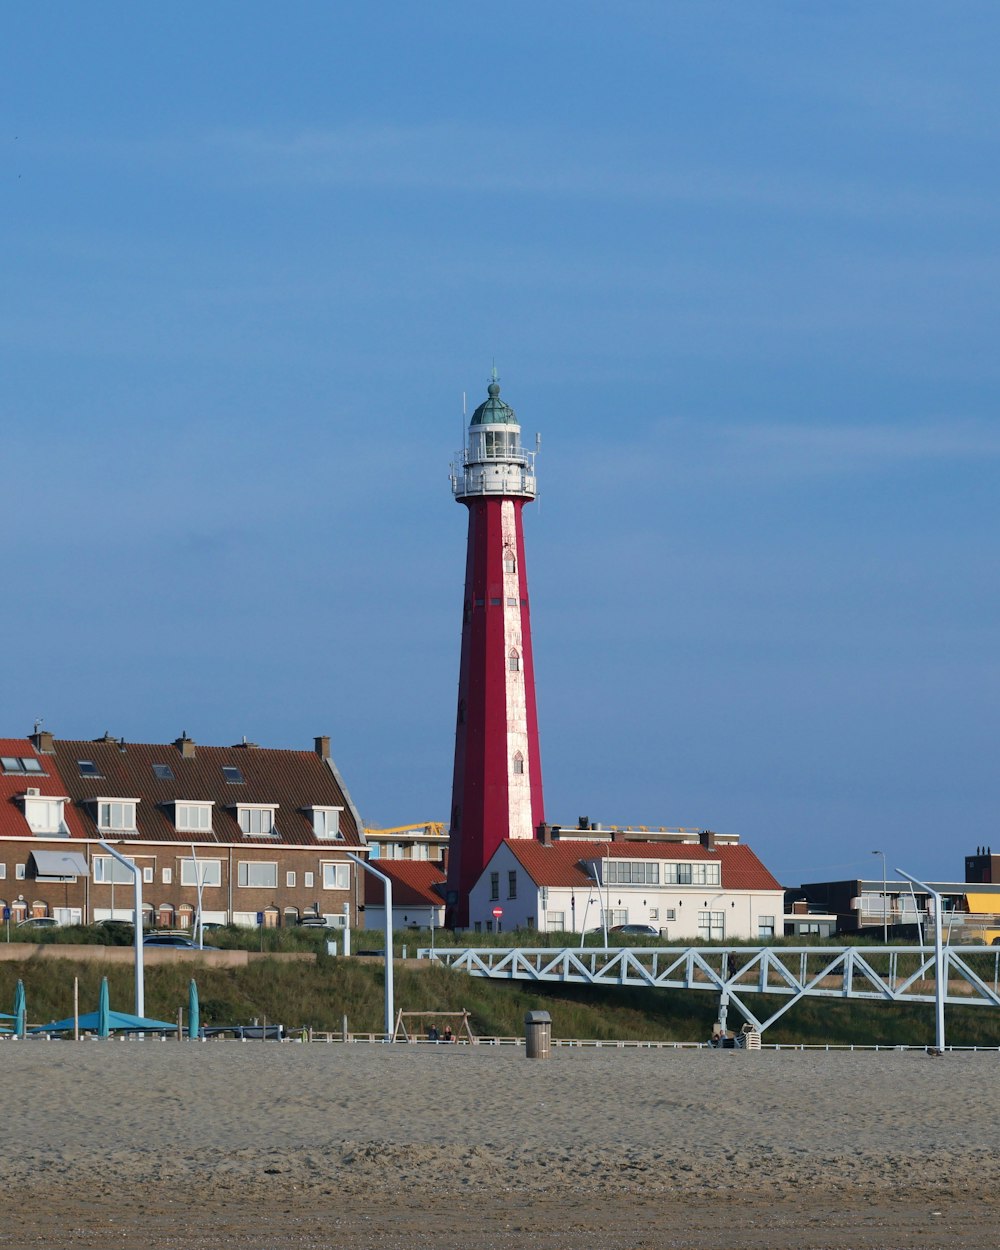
497	787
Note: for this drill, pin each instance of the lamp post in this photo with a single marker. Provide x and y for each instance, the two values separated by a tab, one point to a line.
140	979
885	903
390	1021
940	973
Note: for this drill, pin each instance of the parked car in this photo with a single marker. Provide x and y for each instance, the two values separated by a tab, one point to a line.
38	922
313	922
635	930
175	940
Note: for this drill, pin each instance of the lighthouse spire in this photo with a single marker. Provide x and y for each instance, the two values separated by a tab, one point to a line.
497	784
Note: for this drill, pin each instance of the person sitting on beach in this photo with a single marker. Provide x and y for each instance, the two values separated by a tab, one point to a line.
448	1034
432	1033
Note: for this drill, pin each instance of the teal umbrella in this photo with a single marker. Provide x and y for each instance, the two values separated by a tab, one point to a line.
194	1018
103	1010
115	1022
20	1010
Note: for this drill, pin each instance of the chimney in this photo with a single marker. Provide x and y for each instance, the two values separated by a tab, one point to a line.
544	834
800	907
322	747
185	745
43	742
707	839
583	822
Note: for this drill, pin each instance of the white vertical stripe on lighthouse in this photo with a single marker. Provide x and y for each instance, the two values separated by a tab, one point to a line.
518	783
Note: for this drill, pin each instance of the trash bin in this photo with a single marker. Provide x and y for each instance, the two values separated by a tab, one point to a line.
537	1035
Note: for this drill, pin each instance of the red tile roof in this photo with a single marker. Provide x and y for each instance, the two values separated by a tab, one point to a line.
412	883
290	780
12	820
562	863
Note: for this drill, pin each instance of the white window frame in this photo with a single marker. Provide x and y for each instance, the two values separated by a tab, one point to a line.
290	880
37	802
167	876
183	810
106	870
326	823
243	874
336	871
309	880
209	870
19	872
107	806
252	810
147	875
3	872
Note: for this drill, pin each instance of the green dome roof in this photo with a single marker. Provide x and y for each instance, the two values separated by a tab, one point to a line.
493	411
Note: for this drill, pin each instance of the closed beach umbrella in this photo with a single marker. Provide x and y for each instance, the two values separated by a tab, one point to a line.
104	1010
194	1021
20	1010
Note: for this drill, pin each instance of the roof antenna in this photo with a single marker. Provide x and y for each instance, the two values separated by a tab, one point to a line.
39	722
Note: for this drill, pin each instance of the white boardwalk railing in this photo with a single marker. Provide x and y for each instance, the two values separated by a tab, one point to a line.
890	974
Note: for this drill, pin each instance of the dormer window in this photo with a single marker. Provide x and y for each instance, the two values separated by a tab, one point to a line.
44	814
193	817
21	764
326	822
256	819
116	814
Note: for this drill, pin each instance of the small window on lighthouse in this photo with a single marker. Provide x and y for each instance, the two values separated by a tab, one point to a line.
518	764
509	564
514	662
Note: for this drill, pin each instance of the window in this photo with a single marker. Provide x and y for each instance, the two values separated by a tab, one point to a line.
555	921
617	916
309	880
167	876
45	815
163	772
87	768
3	872
654	914
765	926
326	822
232	775
514	662
193	817
116	814
509	564
253	875
705	874
712	925
147	876
494	886
511	602
290	880
632	872
108	871
209	870
336	876
512	884
15	764
670	913
518	764
256	821
19	872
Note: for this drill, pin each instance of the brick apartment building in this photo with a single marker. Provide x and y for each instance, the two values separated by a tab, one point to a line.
266	832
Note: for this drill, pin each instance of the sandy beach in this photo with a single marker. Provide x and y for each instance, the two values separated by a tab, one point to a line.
159	1144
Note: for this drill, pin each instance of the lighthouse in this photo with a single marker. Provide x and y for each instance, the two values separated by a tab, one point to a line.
497	786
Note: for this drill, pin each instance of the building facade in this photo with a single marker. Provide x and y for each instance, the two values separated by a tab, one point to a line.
497	782
688	892
244	834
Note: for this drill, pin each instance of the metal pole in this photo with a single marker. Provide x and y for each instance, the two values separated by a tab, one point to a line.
940	974
140	982
200	923
390	1018
885	901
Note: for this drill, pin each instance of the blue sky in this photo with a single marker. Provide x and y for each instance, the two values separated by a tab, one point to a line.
738	265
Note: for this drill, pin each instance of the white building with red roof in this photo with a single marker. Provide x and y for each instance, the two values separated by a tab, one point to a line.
698	891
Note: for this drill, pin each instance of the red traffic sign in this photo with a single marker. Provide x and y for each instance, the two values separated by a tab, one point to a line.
498	912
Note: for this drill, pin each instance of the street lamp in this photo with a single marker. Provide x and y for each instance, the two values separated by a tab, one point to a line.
885	903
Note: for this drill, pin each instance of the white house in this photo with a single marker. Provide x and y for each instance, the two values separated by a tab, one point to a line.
690	892
415	901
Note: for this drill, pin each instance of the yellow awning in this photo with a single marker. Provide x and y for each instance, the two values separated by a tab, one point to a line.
980	903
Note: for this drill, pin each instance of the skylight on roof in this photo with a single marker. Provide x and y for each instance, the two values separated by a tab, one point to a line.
163	772
88	768
232	775
21	764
